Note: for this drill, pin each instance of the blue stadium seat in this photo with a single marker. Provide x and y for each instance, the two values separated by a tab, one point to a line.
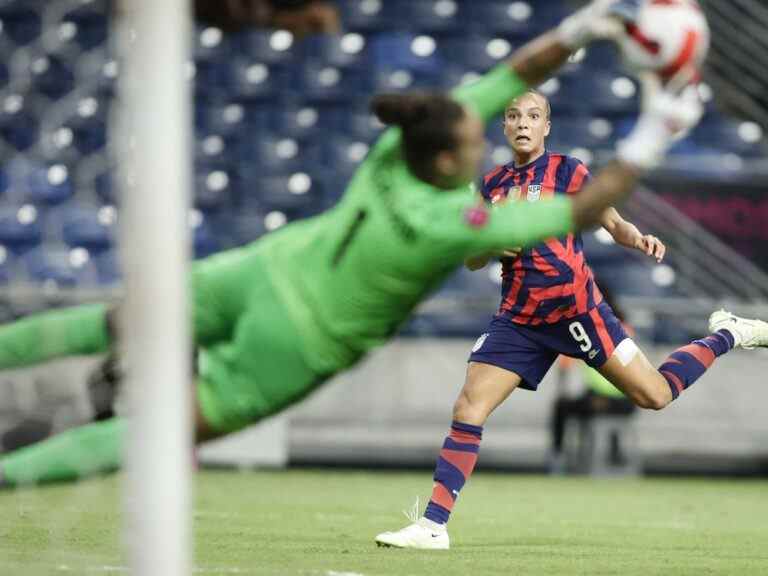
253	80
344	154
7	266
610	95
431	16
61	267
477	53
588	132
269	154
229	117
366	15
19	124
514	20
218	149
318	83
566	96
22	24
105	188
602	57
302	123
51	76
238	228
296	195
211	44
383	79
107	268
89	228
349	50
213	187
271	47
204	240
716	133
415	53
50	184
85	27
20	228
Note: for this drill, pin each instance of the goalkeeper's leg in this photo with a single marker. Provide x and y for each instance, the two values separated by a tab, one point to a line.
53	334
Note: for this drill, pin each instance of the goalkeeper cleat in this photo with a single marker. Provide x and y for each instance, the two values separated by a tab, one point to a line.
747	334
421	535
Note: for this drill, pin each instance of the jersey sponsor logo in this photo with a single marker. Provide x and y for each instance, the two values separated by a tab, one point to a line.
593	353
534	192
479	343
476	217
514	193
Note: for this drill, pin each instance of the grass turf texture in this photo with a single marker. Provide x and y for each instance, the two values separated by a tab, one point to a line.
321	523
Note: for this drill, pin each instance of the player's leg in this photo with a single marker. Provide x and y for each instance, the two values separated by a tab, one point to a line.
501	360
648	387
54	334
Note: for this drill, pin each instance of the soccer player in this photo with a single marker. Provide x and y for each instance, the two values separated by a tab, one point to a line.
551	305
275	319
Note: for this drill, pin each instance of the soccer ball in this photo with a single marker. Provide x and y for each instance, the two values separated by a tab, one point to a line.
665	37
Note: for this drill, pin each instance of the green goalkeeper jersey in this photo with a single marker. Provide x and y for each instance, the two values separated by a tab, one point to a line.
350	276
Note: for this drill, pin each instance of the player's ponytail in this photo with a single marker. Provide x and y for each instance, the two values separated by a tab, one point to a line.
428	121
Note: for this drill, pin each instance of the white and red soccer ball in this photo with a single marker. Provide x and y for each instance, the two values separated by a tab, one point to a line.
666	36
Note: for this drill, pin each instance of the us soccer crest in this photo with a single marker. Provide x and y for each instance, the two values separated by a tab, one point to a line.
534	192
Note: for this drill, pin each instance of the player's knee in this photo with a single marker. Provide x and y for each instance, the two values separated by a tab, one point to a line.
469	412
652	399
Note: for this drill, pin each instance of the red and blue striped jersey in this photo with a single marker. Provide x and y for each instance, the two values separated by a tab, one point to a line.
550	281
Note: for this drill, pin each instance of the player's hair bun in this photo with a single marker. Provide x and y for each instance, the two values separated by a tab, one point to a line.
400	109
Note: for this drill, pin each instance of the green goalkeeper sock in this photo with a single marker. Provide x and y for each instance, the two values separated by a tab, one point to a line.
52	334
76	453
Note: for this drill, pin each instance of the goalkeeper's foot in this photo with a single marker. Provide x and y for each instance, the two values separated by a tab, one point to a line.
422	535
746	333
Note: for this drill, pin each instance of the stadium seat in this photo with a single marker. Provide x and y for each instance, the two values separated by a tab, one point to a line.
302	123
271	47
366	15
296	195
105	188
19	121
270	154
204	241
254	80
22	24
211	44
415	53
588	132
230	117
517	21
344	154
438	17
82	29
238	228
349	50
89	228
213	187
51	76
716	133
7	268
107	268
20	228
610	94
60	267
318	83
49	184
476	53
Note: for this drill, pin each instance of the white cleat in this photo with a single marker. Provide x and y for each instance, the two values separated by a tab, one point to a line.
747	334
421	535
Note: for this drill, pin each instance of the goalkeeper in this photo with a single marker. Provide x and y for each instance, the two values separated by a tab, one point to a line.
277	318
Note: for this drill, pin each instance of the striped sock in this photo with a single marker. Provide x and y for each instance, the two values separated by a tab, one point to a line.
686	365
454	465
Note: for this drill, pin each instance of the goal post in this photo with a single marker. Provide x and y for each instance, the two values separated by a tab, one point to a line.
153	140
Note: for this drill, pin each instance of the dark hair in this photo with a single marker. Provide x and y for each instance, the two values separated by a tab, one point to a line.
548	107
428	121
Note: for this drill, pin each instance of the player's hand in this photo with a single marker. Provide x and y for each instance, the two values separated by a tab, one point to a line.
598	20
669	113
651	246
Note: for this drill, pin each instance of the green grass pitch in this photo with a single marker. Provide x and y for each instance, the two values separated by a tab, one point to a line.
322	523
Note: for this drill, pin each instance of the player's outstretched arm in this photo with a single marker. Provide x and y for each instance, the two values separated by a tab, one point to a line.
540	58
667	115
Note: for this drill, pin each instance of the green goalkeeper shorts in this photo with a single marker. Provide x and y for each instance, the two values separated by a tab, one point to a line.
257	368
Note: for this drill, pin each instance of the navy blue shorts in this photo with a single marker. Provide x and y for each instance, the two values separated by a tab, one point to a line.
530	351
